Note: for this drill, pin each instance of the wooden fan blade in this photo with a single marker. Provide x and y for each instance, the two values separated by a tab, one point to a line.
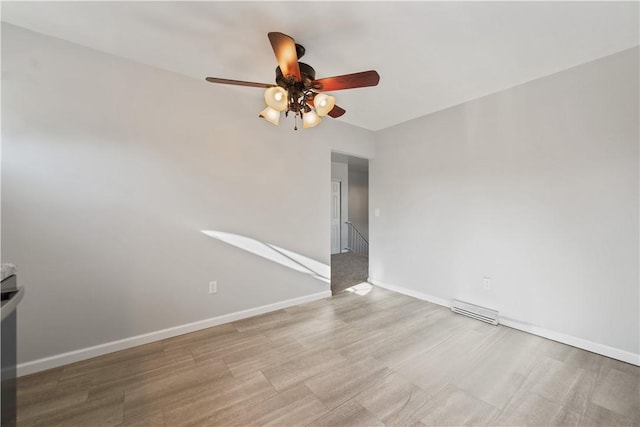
336	112
348	81
285	49
238	82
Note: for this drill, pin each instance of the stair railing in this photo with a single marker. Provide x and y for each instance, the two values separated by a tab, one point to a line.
356	242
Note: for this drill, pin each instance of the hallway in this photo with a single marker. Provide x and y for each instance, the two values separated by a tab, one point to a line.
348	269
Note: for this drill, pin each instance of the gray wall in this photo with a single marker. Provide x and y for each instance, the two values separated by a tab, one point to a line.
110	169
535	187
359	200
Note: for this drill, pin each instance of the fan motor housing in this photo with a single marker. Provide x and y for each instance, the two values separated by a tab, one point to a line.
307	73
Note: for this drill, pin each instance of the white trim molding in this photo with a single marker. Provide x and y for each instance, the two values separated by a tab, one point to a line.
410	292
594	347
110	347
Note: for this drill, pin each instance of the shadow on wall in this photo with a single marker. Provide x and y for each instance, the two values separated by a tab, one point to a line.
273	253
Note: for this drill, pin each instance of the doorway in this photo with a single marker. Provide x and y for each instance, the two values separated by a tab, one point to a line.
335	216
349	221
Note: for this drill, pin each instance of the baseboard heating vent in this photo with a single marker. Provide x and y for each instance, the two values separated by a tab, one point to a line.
475	311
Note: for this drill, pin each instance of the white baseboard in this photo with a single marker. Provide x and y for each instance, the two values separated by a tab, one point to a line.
410	292
98	350
594	347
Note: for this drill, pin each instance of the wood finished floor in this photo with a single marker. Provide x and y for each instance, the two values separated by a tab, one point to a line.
349	360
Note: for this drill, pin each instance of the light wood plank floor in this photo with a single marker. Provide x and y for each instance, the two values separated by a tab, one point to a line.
349	360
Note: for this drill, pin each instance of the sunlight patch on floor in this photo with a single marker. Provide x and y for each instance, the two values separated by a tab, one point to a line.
360	289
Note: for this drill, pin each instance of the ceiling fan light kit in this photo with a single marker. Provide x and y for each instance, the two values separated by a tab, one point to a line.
277	98
310	119
296	90
324	103
271	115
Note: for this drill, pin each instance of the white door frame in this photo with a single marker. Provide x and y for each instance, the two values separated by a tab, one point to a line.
336	208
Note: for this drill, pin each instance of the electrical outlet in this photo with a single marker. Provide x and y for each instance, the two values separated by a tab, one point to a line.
486	282
213	287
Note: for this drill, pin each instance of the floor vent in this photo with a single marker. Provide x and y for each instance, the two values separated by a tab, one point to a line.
475	311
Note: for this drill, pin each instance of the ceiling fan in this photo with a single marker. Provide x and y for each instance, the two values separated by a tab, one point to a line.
297	90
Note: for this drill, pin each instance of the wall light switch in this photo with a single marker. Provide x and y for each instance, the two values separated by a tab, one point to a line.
486	282
376	212
213	287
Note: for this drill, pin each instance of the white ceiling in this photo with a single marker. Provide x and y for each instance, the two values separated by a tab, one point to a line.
430	55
